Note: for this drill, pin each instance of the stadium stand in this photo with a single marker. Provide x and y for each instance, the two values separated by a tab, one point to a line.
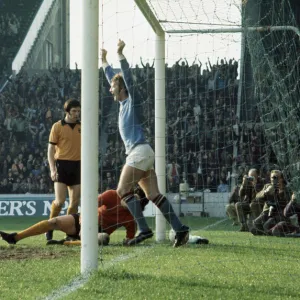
202	127
15	19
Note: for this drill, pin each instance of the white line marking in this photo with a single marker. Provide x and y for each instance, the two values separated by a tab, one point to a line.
213	225
81	280
72	286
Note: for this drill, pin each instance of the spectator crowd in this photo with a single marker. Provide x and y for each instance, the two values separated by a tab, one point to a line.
207	144
29	105
202	127
15	18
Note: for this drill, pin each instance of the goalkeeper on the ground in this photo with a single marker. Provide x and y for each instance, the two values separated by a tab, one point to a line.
112	214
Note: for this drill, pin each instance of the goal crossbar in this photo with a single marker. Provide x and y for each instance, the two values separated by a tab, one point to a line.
158	29
238	29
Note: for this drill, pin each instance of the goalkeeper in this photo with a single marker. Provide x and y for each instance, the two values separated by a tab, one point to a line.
111	215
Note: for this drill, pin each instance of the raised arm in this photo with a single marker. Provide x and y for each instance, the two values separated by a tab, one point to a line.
153	63
108	71
186	62
208	64
142	62
125	68
177	62
103	57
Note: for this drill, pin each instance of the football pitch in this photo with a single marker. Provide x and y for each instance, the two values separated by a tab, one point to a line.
235	265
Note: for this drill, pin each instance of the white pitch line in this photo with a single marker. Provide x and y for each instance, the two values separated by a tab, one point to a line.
72	286
213	225
81	280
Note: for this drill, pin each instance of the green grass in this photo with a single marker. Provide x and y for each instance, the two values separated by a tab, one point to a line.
235	265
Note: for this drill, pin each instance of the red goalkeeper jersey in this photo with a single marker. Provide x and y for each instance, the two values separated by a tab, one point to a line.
112	215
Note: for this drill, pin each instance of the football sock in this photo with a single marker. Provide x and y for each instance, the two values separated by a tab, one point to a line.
135	209
55	210
167	210
72	243
36	229
72	210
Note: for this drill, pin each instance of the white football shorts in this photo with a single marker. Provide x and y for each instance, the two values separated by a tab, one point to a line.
141	157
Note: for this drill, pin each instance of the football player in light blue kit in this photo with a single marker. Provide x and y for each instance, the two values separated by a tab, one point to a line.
140	156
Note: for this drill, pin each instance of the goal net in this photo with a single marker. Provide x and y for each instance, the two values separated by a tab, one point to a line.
231	83
274	58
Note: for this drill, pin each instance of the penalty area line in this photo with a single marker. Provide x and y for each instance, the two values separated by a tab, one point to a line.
72	286
81	280
214	224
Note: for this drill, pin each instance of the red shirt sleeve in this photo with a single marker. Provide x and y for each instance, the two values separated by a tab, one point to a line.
130	229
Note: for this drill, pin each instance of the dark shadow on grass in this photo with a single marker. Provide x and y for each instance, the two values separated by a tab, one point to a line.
149	245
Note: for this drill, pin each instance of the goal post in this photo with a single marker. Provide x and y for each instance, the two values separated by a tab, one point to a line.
160	129
89	134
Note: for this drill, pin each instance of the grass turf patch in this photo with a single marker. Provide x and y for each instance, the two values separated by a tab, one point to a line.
234	265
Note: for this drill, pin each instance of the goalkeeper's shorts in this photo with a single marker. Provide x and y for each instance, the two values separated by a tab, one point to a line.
76	236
